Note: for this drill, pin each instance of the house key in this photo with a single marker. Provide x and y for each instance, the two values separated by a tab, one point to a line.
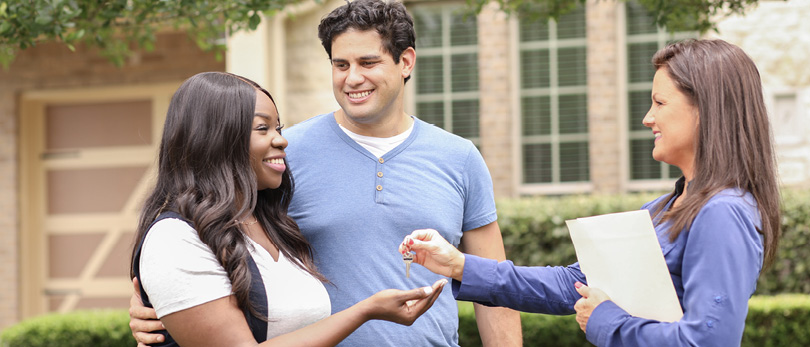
407	258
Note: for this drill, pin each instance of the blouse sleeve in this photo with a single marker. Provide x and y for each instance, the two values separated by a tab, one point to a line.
721	263
530	289
179	271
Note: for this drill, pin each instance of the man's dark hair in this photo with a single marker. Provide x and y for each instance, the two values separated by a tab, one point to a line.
387	17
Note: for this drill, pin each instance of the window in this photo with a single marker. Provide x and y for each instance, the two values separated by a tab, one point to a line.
554	100
447	75
643	40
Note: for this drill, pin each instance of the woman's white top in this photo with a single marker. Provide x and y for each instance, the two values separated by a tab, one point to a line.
178	271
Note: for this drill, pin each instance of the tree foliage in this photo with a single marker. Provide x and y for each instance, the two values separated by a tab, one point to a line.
675	15
117	27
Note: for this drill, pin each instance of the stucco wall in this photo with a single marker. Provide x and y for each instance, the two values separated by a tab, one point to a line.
308	71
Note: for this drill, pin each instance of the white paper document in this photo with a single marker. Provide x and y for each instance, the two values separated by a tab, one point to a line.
619	253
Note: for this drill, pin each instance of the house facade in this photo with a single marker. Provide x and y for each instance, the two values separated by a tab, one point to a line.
555	107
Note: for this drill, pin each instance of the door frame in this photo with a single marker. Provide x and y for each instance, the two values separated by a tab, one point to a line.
33	268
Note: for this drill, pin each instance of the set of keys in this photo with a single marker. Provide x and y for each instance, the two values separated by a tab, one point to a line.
408	259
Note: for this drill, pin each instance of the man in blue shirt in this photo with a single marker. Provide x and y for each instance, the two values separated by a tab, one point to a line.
368	174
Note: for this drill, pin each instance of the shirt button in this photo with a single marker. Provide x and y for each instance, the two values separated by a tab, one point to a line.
710	323
379	187
382	160
718	299
379	174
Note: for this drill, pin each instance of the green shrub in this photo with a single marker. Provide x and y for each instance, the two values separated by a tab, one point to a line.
780	320
772	321
534	233
108	328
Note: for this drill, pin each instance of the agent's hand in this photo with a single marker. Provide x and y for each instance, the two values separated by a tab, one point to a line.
403	306
434	253
143	320
591	297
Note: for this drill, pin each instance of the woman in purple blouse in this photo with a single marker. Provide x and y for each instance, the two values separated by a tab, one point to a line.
716	228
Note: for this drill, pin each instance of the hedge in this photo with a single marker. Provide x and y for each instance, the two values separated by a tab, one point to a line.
109	328
780	320
534	233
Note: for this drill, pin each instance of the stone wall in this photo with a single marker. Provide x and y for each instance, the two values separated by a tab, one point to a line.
777	37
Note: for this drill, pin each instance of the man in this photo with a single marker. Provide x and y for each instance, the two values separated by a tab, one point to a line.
368	174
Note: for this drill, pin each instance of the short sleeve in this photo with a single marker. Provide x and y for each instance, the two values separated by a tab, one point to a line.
178	271
479	198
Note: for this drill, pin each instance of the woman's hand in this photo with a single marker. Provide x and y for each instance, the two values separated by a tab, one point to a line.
591	297
403	306
434	253
143	320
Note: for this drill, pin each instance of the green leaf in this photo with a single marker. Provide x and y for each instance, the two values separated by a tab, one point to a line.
3	9
43	19
4	27
255	19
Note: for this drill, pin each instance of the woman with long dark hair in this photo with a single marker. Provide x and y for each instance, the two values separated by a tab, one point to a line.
717	228
216	254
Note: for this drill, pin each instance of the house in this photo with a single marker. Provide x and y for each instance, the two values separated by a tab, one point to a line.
554	107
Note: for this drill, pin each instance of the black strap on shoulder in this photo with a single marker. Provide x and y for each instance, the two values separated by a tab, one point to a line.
258	298
257	294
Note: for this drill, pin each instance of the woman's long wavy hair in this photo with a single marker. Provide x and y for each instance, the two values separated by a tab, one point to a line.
733	144
204	174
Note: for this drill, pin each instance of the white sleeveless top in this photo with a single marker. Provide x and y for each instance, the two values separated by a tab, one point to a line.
178	271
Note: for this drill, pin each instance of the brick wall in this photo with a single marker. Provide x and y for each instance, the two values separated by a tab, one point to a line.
604	121
495	93
53	66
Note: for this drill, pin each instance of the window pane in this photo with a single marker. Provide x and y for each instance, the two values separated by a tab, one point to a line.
572	25
463	30
642	164
430	76
574	163
465	118
537	163
639	67
464	68
536	115
639	20
573	114
428	27
431	112
534	66
572	68
533	30
639	104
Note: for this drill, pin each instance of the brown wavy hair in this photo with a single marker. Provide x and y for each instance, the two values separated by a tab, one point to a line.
733	144
204	174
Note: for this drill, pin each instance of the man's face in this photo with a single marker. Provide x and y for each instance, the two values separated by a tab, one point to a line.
367	83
